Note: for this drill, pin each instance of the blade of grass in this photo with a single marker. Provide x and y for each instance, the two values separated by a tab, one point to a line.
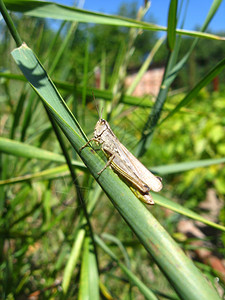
31	105
78	242
83	282
132	277
171	25
170	74
72	261
163	201
127	49
56	11
99	93
88	289
186	166
18	113
93	276
85	76
27	151
59	53
144	67
53	173
54	42
183	275
10	24
193	93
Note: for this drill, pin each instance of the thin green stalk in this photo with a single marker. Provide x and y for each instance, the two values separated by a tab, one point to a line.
86	61
61	50
10	24
75	180
145	66
125	55
57	132
170	74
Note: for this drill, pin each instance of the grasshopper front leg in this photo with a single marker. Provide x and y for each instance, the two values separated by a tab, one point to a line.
88	142
97	141
107	164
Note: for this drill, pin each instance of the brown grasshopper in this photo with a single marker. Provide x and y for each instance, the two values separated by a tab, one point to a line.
140	180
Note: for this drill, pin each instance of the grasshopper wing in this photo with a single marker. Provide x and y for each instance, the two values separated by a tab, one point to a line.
140	171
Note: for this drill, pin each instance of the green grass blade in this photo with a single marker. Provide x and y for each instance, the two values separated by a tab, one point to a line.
56	11
144	67
27	151
186	279
93	277
147	293
84	282
89	285
85	76
72	261
186	166
52	173
119	244
163	201
171	72
172	23
99	93
61	50
18	113
206	80
213	9
28	115
119	61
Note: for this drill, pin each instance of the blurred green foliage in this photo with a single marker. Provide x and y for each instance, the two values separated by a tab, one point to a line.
37	215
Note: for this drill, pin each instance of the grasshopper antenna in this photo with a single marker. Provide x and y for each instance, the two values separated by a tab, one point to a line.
97	107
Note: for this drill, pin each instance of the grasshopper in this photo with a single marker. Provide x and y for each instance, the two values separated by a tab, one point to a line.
140	180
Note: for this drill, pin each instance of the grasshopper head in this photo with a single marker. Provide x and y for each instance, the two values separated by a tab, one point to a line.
101	126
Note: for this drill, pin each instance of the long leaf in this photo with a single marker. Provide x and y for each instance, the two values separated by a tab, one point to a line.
171	71
72	261
179	269
56	11
163	201
186	166
136	281
53	173
172	24
27	151
193	93
99	93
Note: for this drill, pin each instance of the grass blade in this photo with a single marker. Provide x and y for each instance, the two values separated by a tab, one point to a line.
207	79
53	173
136	281
163	201
27	151
186	279
56	11
186	166
71	263
172	23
